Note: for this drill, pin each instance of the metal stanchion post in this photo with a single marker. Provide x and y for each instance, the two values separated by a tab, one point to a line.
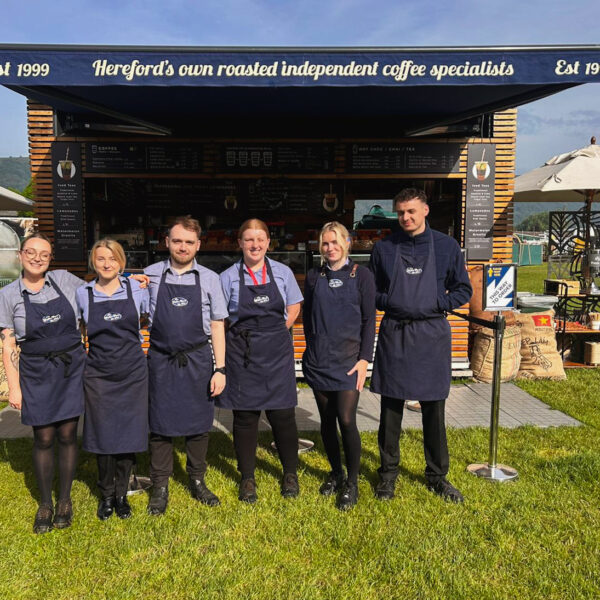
491	470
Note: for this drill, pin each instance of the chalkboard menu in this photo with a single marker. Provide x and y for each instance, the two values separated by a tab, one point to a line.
479	209
293	196
123	157
404	158
277	158
68	201
215	197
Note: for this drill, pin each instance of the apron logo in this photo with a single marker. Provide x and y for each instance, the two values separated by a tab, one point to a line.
413	270
261	299
335	283
113	317
179	301
46	319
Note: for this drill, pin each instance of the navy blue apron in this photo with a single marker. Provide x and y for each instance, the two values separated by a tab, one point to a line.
414	347
259	351
333	347
180	362
116	379
51	362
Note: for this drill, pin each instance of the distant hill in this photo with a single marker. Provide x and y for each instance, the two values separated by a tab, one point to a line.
14	172
522	210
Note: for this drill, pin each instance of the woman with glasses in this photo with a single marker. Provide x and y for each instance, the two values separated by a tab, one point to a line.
116	375
38	316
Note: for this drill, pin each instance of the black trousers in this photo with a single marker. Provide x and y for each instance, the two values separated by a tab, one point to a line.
434	438
113	473
161	457
245	438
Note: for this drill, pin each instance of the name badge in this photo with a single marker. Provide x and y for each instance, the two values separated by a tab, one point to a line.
113	316
335	283
179	301
261	299
413	271
47	319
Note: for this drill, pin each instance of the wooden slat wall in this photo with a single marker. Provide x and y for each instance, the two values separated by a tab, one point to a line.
41	135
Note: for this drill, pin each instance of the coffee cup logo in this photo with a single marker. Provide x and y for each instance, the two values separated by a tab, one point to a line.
481	170
66	167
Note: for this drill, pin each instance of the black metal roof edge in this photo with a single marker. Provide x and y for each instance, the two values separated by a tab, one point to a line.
303	49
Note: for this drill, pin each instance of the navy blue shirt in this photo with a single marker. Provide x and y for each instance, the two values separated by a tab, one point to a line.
453	285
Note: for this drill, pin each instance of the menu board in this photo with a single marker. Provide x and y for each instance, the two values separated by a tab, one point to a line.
404	158
124	157
479	209
277	158
293	196
216	197
68	201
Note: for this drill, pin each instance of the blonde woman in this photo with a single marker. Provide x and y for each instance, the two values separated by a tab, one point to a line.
116	375
339	326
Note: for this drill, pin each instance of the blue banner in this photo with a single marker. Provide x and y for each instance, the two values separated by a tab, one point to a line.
85	66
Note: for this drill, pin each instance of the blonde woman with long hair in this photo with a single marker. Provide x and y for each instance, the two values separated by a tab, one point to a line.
339	326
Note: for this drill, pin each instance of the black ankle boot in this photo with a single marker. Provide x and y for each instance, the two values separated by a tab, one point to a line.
106	508
122	507
201	493
158	500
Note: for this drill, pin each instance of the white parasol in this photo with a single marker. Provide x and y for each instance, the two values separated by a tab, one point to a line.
569	177
12	201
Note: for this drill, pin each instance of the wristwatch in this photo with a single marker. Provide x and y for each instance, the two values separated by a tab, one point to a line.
221	370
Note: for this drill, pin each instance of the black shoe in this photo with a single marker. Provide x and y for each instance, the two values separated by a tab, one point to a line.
63	515
122	507
385	489
157	504
201	493
106	508
445	490
43	519
333	483
289	485
248	491
349	496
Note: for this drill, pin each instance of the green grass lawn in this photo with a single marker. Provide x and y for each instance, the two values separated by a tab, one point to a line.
531	278
538	537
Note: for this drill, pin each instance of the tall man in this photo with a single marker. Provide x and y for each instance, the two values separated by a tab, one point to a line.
187	307
419	273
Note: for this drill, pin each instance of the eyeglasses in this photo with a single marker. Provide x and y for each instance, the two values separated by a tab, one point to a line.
44	256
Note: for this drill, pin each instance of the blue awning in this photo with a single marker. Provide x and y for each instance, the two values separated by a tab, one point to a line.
404	89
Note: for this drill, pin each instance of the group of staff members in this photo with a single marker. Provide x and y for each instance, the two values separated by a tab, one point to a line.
415	276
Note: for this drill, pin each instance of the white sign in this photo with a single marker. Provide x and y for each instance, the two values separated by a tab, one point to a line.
500	287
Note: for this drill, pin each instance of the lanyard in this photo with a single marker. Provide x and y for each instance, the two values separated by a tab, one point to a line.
263	276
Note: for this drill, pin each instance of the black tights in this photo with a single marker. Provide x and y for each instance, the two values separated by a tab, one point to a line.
340	407
245	438
65	432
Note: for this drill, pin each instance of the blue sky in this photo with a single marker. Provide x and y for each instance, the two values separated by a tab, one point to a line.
562	122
